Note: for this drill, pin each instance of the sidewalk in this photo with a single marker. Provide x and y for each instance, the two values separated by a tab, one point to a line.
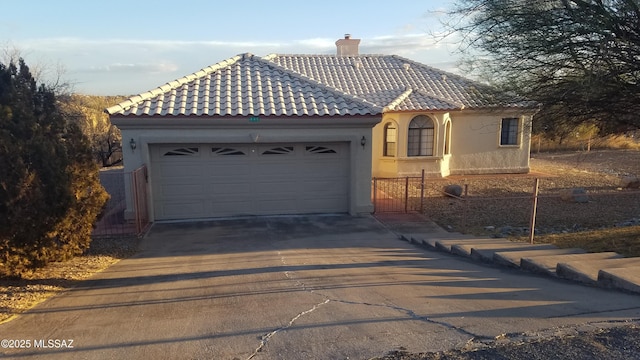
606	270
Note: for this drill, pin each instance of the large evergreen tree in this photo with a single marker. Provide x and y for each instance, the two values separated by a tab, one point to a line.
50	194
580	58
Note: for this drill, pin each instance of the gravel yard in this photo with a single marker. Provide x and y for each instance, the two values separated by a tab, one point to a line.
493	201
496	203
18	295
617	343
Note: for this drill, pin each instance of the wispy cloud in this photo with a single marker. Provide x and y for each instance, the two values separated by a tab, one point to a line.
117	65
152	68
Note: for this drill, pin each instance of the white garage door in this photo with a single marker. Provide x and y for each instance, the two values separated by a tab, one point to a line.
213	180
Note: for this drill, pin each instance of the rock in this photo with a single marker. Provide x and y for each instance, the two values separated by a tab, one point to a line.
489	228
453	190
630	182
506	230
576	195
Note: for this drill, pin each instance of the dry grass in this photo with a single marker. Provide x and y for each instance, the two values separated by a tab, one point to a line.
18	295
539	143
624	241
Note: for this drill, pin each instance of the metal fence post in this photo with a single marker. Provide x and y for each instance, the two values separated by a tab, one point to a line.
406	194
375	194
534	208
422	193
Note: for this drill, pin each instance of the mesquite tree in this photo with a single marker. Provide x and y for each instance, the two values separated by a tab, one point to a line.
580	58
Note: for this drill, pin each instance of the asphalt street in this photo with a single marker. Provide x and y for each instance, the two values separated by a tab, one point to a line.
309	287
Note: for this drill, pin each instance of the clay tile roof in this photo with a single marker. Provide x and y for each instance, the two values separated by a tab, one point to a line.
314	85
245	85
383	79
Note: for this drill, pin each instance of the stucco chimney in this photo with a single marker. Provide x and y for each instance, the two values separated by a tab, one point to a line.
347	46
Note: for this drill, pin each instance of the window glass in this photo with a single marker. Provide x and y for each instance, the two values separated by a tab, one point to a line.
509	131
421	136
390	139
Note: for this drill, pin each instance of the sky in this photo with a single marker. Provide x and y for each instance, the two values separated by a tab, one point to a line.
128	47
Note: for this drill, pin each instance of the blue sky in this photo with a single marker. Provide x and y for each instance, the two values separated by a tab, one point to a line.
127	47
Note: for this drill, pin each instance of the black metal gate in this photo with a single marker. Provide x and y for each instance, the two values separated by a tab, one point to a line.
402	194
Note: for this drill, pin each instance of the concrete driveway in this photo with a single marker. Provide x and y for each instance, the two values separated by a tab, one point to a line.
317	287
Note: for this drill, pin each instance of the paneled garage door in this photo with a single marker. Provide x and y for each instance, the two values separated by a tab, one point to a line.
214	180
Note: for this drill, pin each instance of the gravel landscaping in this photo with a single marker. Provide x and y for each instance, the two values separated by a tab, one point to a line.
617	343
501	205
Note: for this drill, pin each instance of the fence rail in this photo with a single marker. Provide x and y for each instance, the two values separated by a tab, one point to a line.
520	205
398	194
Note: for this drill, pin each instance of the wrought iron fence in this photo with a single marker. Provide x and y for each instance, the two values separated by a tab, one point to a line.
398	194
520	205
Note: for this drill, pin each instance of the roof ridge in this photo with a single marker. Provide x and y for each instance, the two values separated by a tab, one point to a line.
175	83
272	55
267	59
398	100
439	98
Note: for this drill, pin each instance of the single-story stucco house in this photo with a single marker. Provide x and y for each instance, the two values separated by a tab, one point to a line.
295	134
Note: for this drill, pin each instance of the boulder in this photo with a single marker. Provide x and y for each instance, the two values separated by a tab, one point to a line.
453	190
630	182
576	195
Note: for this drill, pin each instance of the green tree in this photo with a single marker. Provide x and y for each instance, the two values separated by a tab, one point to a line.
50	194
580	58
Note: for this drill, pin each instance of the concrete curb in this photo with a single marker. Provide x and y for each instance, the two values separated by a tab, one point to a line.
606	270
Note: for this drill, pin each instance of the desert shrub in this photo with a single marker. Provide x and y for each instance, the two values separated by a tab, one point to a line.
50	194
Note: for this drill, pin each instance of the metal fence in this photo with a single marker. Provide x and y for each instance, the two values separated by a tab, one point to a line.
398	194
113	222
516	205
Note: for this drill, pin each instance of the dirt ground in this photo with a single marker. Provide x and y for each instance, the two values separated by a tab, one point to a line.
617	343
498	202
597	171
19	295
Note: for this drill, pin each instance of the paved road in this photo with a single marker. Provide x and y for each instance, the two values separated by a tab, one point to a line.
325	287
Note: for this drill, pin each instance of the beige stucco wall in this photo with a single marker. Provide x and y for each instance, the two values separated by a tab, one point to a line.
151	131
401	164
474	145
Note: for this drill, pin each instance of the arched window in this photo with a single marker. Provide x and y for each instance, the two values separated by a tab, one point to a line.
390	139
421	140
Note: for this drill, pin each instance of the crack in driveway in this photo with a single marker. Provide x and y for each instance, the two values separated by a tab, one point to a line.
265	338
410	313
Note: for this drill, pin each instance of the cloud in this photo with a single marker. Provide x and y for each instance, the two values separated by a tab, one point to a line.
400	44
149	68
116	65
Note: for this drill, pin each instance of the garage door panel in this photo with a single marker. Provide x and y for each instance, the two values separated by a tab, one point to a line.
276	206
227	171
222	189
326	204
181	171
210	180
228	207
182	191
323	188
182	210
